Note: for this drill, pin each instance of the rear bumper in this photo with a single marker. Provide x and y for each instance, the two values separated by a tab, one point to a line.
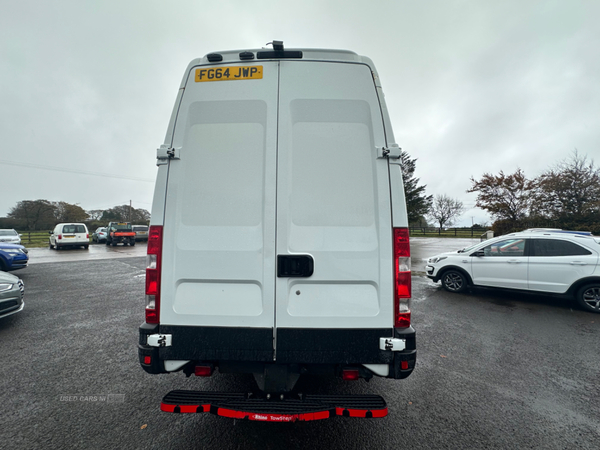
305	350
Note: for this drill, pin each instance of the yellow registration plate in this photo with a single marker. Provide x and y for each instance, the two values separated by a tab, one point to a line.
229	73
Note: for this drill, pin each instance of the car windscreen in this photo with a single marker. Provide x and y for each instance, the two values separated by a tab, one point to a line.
122	226
8	233
140	228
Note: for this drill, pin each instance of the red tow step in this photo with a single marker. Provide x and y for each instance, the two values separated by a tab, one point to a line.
289	409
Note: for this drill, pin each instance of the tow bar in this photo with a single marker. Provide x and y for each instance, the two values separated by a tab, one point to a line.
267	408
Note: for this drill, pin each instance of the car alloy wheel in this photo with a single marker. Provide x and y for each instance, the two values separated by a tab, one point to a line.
589	297
454	281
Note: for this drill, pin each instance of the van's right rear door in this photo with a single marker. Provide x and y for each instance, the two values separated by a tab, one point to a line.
333	210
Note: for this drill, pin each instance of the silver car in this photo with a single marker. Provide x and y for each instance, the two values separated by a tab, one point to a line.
9	236
99	235
141	232
11	294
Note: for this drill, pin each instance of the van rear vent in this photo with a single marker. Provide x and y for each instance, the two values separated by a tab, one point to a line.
246	55
214	57
272	54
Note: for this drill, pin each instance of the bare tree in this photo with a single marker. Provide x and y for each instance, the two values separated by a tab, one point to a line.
445	210
505	196
95	214
122	214
571	189
67	212
37	214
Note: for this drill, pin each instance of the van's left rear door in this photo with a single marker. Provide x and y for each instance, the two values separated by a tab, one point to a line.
218	262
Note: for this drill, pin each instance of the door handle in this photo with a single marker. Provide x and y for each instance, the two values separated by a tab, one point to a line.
513	261
578	263
295	266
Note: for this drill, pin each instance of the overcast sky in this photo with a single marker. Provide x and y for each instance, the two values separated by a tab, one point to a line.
472	86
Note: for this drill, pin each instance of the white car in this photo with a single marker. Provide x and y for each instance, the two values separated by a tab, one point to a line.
10	236
540	260
69	235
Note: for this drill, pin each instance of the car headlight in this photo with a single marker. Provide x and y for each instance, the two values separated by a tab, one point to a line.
5	287
436	259
12	251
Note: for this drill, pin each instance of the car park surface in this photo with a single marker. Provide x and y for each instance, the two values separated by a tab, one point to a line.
497	370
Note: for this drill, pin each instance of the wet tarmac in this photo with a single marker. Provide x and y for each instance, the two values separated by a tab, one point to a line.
94	252
495	370
423	248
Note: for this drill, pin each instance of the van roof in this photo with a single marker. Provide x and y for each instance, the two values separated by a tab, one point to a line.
268	54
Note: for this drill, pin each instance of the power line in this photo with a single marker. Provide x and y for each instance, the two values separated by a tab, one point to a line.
83	172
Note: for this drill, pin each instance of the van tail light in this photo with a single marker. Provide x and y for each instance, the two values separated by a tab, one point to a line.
402	278
153	264
350	374
87	235
60	236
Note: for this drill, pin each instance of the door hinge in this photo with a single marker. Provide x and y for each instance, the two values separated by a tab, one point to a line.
159	340
164	153
393	344
393	151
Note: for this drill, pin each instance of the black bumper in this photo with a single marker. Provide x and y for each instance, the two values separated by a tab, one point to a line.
295	346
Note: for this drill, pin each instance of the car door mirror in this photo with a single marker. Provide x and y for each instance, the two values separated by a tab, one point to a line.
50	232
478	253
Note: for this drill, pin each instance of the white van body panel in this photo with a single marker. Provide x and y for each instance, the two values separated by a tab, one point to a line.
333	198
288	164
219	242
283	174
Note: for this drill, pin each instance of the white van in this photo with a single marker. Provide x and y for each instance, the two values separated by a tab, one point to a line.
69	235
278	243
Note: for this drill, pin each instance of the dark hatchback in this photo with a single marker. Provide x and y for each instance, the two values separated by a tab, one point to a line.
13	257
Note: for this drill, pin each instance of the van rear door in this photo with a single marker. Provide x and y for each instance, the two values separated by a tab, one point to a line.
334	239
218	269
277	231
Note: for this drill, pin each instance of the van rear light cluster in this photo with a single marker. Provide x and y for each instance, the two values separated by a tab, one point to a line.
350	374
402	278
153	265
203	371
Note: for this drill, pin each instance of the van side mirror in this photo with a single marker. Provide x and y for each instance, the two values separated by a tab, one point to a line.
50	232
478	253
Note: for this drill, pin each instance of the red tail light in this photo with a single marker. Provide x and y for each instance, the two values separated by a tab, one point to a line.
153	264
60	236
402	278
203	371
350	374
87	236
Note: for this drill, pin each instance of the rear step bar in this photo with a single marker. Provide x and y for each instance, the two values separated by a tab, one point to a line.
288	409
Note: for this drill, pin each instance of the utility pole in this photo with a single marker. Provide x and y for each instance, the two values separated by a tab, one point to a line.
129	211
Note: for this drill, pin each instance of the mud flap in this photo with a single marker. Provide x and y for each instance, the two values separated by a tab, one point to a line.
290	408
